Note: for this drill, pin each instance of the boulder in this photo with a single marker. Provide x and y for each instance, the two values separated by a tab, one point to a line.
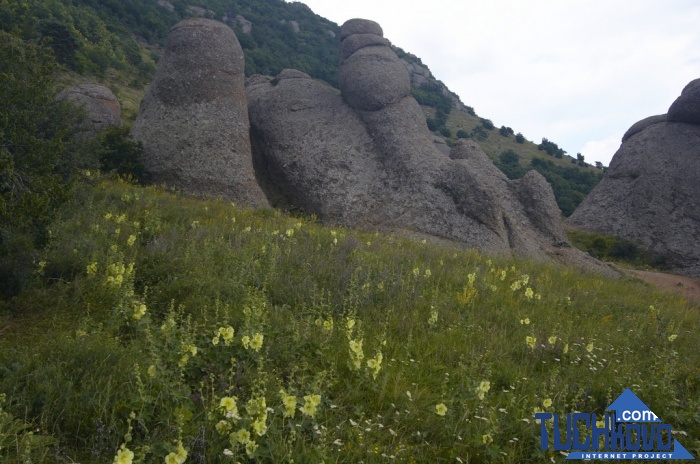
193	122
643	124
650	192
100	104
686	108
366	157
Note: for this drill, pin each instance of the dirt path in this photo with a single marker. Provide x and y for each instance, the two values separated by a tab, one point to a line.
686	286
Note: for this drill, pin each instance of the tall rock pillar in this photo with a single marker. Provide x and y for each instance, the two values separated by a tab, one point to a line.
193	121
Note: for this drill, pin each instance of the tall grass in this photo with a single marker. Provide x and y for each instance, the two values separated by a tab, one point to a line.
161	328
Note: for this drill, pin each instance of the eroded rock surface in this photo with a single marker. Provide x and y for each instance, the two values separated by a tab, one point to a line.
193	121
366	157
650	192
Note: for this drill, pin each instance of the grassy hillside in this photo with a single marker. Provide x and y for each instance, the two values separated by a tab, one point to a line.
195	331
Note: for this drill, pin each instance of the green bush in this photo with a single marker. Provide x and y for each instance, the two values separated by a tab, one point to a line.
121	155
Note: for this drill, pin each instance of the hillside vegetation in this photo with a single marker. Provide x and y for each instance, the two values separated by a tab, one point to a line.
166	326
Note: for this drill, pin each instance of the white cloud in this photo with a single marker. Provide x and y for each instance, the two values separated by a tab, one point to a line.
600	150
578	72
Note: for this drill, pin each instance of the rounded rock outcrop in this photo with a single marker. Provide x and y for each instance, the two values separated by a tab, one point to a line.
101	106
193	122
650	192
639	126
686	108
360	26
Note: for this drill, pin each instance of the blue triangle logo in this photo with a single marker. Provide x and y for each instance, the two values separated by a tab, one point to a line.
629	408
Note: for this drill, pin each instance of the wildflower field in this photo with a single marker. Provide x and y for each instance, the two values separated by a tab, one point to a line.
159	328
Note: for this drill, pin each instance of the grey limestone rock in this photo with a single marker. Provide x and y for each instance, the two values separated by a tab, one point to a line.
366	157
193	121
650	195
643	124
686	108
100	104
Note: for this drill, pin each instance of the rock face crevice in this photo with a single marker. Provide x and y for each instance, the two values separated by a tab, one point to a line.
366	157
650	192
193	121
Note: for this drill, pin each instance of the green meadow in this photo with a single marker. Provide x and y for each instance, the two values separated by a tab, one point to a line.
160	328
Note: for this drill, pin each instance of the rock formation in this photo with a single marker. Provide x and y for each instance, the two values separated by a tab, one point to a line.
366	157
650	192
193	121
101	106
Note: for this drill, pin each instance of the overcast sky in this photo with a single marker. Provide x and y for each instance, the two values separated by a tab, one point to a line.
578	72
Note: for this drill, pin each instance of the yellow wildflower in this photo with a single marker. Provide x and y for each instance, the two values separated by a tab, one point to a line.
486	438
672	337
375	364
257	342
131	240
416	272
552	340
440	409
471	278
223	427
245	341
124	456
566	348
227	334
427	273
311	402
483	388
351	323
530	341
250	448
228	404
139	311
589	347
525	321
242	436
92	268
259	426
289	402
151	370
547	402
328	325
529	293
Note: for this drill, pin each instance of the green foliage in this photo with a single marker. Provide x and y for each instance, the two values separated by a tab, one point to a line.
479	133
611	248
187	327
570	185
431	95
551	148
486	124
505	131
121	155
509	163
462	134
519	138
39	154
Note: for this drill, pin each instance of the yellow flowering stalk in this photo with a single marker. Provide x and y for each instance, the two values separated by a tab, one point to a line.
356	353
139	311
483	388
92	268
289	402
311	403
246	342
529	294
433	316
375	364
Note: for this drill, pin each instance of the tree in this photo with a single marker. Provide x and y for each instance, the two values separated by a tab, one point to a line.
599	165
39	155
462	134
519	138
504	131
